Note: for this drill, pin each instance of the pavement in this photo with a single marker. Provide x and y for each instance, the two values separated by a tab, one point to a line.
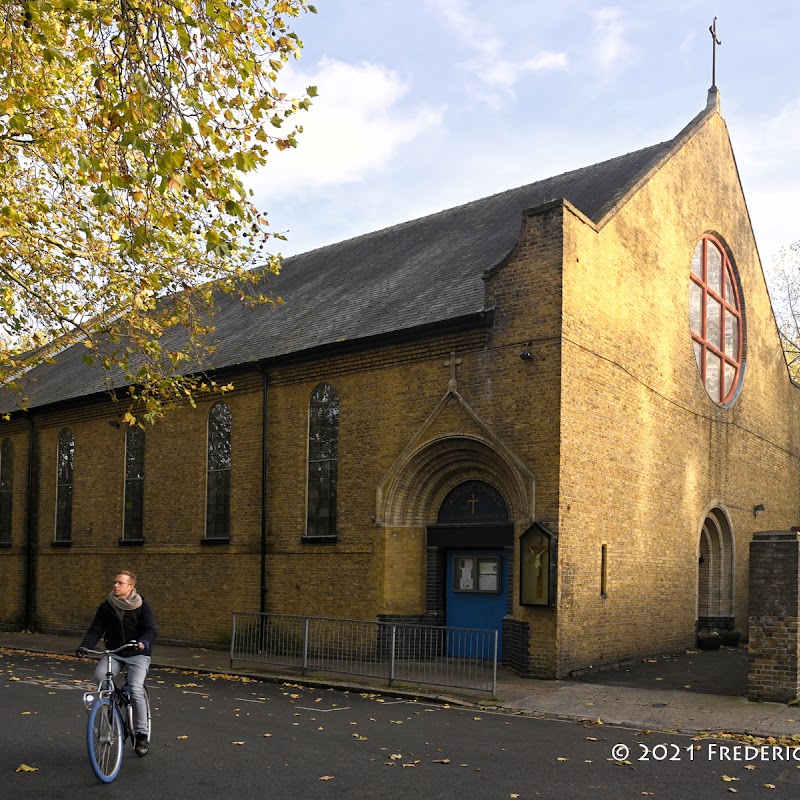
688	692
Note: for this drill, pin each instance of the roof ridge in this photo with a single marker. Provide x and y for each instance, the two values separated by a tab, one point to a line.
462	206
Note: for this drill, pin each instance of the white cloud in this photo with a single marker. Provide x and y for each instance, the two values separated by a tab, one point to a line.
497	72
355	125
611	50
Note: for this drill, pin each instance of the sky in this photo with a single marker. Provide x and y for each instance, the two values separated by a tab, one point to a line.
427	104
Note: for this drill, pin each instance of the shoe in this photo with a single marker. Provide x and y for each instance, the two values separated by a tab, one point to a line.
142	744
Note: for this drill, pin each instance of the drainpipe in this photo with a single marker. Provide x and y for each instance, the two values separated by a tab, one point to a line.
264	509
30	590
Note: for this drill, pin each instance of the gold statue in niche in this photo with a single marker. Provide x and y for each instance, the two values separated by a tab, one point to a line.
535	572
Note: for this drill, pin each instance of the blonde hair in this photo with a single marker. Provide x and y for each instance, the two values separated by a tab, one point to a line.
127	572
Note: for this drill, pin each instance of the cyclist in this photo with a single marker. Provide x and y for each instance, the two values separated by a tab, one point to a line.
123	617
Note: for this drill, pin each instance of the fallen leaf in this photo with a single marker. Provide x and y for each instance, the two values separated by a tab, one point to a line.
445	761
181	737
26	768
476	718
267	735
395	756
769	785
24	713
728	778
326	778
562	759
237	743
750	766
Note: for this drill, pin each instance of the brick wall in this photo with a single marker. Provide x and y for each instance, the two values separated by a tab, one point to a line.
774	612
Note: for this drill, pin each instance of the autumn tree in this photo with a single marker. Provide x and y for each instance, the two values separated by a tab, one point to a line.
785	291
127	128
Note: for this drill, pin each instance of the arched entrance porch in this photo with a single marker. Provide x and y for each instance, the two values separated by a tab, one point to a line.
715	572
466	498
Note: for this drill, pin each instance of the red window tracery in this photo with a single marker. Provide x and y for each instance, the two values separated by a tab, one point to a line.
716	320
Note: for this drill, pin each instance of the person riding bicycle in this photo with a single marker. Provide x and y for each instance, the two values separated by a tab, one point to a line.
123	617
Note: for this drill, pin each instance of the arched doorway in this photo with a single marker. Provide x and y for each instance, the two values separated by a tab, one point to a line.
715	572
473	538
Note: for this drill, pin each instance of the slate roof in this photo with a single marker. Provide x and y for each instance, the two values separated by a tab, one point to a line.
426	271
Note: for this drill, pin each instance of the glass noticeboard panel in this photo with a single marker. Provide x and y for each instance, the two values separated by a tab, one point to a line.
465	574
477	574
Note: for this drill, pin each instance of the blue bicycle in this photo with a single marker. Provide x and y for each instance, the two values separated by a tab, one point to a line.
110	722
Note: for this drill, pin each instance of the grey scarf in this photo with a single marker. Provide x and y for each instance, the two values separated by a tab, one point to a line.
121	605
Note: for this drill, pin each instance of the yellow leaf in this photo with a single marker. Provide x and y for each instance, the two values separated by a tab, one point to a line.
181	737
267	735
513	795
445	761
237	742
26	768
728	778
769	785
327	778
562	759
750	766
476	718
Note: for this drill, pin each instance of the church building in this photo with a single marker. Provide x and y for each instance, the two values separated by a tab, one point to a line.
560	412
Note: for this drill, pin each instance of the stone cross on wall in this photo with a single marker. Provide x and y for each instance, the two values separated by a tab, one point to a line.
453	363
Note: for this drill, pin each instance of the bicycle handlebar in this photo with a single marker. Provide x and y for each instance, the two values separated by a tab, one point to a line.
125	646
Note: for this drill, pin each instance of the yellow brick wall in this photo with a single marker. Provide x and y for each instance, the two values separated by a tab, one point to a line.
645	452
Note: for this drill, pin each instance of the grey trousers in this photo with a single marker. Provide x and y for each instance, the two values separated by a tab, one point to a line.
137	672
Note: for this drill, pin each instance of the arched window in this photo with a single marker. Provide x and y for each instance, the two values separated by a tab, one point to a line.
218	479
133	523
323	453
66	459
716	320
6	489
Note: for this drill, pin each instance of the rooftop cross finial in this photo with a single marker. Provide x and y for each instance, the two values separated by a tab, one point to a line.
714	42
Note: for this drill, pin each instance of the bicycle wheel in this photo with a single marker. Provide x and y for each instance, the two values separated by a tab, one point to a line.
104	740
149	721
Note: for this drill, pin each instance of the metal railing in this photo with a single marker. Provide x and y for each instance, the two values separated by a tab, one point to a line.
418	654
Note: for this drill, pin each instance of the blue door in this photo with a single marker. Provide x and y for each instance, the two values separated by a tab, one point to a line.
476	597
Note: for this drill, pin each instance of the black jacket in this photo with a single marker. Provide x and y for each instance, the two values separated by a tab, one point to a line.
139	624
